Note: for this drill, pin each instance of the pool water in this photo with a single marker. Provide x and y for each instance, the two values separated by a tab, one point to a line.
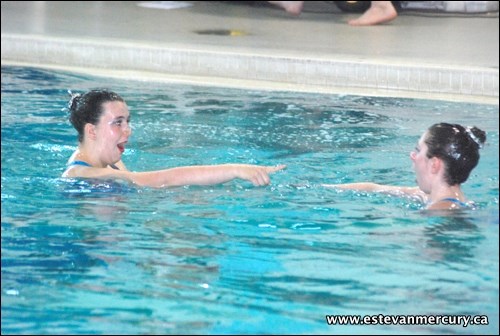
83	257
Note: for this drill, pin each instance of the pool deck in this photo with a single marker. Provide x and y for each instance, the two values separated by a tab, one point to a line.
249	44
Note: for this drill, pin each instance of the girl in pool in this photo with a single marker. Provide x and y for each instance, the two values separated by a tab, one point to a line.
443	159
102	120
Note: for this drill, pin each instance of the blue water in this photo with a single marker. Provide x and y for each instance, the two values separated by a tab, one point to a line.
86	257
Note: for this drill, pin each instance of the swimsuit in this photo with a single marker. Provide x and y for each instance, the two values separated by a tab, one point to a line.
456	201
83	163
95	187
79	163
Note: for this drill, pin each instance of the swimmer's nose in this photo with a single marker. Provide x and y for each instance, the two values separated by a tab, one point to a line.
128	129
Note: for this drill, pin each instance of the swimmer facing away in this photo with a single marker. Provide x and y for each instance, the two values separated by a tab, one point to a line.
102	120
443	159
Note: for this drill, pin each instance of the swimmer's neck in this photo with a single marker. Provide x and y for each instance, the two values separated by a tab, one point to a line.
445	192
81	154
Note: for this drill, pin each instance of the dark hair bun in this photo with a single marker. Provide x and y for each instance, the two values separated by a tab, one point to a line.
477	135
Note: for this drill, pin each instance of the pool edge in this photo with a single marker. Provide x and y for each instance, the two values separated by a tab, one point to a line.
263	72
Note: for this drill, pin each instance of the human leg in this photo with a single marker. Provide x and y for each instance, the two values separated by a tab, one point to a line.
379	12
291	7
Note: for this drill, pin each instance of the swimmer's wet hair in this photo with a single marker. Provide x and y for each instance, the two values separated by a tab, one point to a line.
88	107
457	146
72	99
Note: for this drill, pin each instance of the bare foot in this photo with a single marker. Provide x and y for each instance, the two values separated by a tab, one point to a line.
291	7
379	12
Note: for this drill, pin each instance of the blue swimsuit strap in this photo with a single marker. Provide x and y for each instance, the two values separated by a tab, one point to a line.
454	200
83	163
79	163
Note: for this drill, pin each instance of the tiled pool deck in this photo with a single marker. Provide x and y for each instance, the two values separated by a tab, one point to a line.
247	45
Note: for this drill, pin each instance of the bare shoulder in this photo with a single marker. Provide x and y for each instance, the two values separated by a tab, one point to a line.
93	172
75	171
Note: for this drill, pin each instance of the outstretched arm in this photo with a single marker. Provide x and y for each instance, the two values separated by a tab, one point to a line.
205	175
189	175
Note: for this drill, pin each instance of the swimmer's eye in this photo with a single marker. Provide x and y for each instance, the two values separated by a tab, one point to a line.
121	123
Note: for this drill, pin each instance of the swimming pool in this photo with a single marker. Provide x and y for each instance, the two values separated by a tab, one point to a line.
233	258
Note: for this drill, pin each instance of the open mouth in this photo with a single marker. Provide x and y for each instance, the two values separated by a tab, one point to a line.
121	147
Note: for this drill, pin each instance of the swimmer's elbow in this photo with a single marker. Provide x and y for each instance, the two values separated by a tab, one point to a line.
153	179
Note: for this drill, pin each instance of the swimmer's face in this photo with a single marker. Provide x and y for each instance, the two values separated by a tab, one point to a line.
421	164
113	130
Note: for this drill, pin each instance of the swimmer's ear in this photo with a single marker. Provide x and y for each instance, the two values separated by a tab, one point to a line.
436	164
90	131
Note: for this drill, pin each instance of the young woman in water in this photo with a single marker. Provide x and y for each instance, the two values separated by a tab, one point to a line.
443	159
102	120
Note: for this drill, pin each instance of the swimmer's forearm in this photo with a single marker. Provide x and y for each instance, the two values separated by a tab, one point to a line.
374	187
180	176
204	175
